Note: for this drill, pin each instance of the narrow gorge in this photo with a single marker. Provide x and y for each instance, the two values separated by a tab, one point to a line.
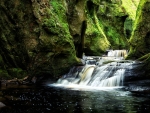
45	38
96	51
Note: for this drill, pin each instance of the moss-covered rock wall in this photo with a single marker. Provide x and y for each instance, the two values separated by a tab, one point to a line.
112	17
47	37
35	38
109	24
139	41
96	41
77	23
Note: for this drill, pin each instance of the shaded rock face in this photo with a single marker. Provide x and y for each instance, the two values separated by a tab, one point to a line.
96	42
117	18
139	41
77	23
34	39
109	25
17	27
112	16
44	38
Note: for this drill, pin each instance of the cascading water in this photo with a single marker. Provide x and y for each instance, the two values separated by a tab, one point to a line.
105	71
117	53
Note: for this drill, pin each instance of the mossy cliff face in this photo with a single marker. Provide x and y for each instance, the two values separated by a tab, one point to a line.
96	42
109	24
112	16
139	41
35	38
77	23
118	18
46	37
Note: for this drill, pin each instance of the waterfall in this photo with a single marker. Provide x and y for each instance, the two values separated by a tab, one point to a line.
98	71
117	53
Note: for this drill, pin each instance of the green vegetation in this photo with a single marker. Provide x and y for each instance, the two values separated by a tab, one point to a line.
138	45
57	29
138	16
95	40
130	8
42	36
111	16
12	73
145	58
17	73
115	39
57	43
4	74
56	23
99	28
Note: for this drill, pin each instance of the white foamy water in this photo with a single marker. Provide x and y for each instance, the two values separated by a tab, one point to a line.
98	73
117	53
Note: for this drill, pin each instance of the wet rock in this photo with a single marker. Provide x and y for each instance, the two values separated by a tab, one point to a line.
2	105
139	86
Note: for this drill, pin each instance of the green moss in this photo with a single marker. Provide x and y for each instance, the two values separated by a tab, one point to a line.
95	40
99	27
138	44
57	29
115	38
138	16
130	8
111	16
128	27
17	73
56	23
4	74
12	73
96	2
56	42
144	58
116	10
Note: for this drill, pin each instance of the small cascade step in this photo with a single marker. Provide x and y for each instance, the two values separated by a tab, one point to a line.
117	53
99	71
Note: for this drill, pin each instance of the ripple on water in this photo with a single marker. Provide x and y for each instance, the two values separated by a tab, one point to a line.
55	99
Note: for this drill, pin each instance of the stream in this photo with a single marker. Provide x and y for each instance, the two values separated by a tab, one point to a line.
102	85
64	100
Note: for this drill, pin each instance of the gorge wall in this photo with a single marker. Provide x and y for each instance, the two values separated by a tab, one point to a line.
139	41
44	38
35	39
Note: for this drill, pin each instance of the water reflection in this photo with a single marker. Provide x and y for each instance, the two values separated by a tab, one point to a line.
51	99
